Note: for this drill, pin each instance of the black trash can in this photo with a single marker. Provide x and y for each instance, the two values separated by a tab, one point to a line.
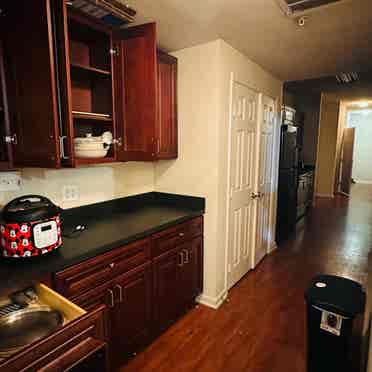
334	316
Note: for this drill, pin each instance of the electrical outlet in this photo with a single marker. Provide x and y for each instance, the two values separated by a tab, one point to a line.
10	181
70	193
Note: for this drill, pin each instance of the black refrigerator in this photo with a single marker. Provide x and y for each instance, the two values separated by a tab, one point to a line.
288	182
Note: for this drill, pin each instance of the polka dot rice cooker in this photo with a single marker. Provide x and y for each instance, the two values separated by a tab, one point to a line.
30	226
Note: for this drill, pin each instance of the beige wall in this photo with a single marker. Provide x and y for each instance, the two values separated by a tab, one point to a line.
195	171
95	183
201	169
327	147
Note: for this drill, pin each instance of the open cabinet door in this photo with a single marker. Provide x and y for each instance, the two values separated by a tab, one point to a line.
6	154
28	46
347	160
136	82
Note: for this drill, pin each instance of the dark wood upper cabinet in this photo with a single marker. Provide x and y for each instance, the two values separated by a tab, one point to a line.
146	84
136	79
75	76
31	71
167	126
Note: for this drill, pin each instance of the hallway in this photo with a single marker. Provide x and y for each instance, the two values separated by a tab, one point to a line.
261	327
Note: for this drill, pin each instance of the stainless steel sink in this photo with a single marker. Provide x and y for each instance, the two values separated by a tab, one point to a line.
25	326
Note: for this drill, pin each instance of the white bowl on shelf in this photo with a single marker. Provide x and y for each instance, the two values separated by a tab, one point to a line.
92	147
91	154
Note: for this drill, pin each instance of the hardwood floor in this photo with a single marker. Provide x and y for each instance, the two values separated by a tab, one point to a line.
261	327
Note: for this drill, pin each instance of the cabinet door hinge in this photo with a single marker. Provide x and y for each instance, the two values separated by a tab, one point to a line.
62	147
114	51
11	139
118	141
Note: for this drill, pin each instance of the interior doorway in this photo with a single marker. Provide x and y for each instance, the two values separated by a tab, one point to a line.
361	121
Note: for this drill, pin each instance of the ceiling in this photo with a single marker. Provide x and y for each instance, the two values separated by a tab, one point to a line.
335	39
329	84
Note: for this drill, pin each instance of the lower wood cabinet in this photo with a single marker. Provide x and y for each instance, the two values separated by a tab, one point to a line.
141	301
130	318
177	281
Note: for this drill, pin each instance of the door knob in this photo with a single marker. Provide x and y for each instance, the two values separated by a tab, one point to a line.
255	195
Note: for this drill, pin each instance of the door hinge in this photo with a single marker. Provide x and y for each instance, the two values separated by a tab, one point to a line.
115	51
11	139
62	147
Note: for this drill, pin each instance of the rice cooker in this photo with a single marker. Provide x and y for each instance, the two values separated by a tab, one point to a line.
30	226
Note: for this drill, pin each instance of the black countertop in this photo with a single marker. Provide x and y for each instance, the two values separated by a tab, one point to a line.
109	225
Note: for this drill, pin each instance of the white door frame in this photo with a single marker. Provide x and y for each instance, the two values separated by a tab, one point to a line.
274	172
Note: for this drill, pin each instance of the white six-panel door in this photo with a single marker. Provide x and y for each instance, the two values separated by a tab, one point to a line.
243	137
264	177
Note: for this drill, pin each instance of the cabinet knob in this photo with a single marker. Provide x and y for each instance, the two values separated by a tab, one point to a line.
112	265
181	234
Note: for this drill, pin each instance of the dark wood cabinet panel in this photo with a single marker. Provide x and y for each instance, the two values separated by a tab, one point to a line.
130	322
166	272
6	154
136	82
178	280
167	125
28	45
191	271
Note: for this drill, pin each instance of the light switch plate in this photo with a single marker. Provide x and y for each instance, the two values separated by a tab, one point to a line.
10	181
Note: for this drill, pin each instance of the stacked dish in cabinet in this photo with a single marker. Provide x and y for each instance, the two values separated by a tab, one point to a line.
93	147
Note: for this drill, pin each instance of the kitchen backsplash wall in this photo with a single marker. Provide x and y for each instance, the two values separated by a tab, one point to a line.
95	183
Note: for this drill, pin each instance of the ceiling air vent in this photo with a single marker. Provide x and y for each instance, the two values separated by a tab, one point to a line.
295	8
347	78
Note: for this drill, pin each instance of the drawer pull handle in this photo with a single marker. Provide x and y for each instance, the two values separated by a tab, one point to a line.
111	293
120	288
187	256
180	259
112	265
181	234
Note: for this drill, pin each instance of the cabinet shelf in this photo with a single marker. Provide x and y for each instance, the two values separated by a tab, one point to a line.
87	161
91	116
90	70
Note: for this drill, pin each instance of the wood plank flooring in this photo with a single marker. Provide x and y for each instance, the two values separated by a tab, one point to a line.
261	327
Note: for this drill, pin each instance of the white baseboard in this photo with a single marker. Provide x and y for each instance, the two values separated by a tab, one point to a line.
273	247
330	196
213	302
364	182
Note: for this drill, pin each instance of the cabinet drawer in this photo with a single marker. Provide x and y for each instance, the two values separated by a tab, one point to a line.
91	273
174	236
82	331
